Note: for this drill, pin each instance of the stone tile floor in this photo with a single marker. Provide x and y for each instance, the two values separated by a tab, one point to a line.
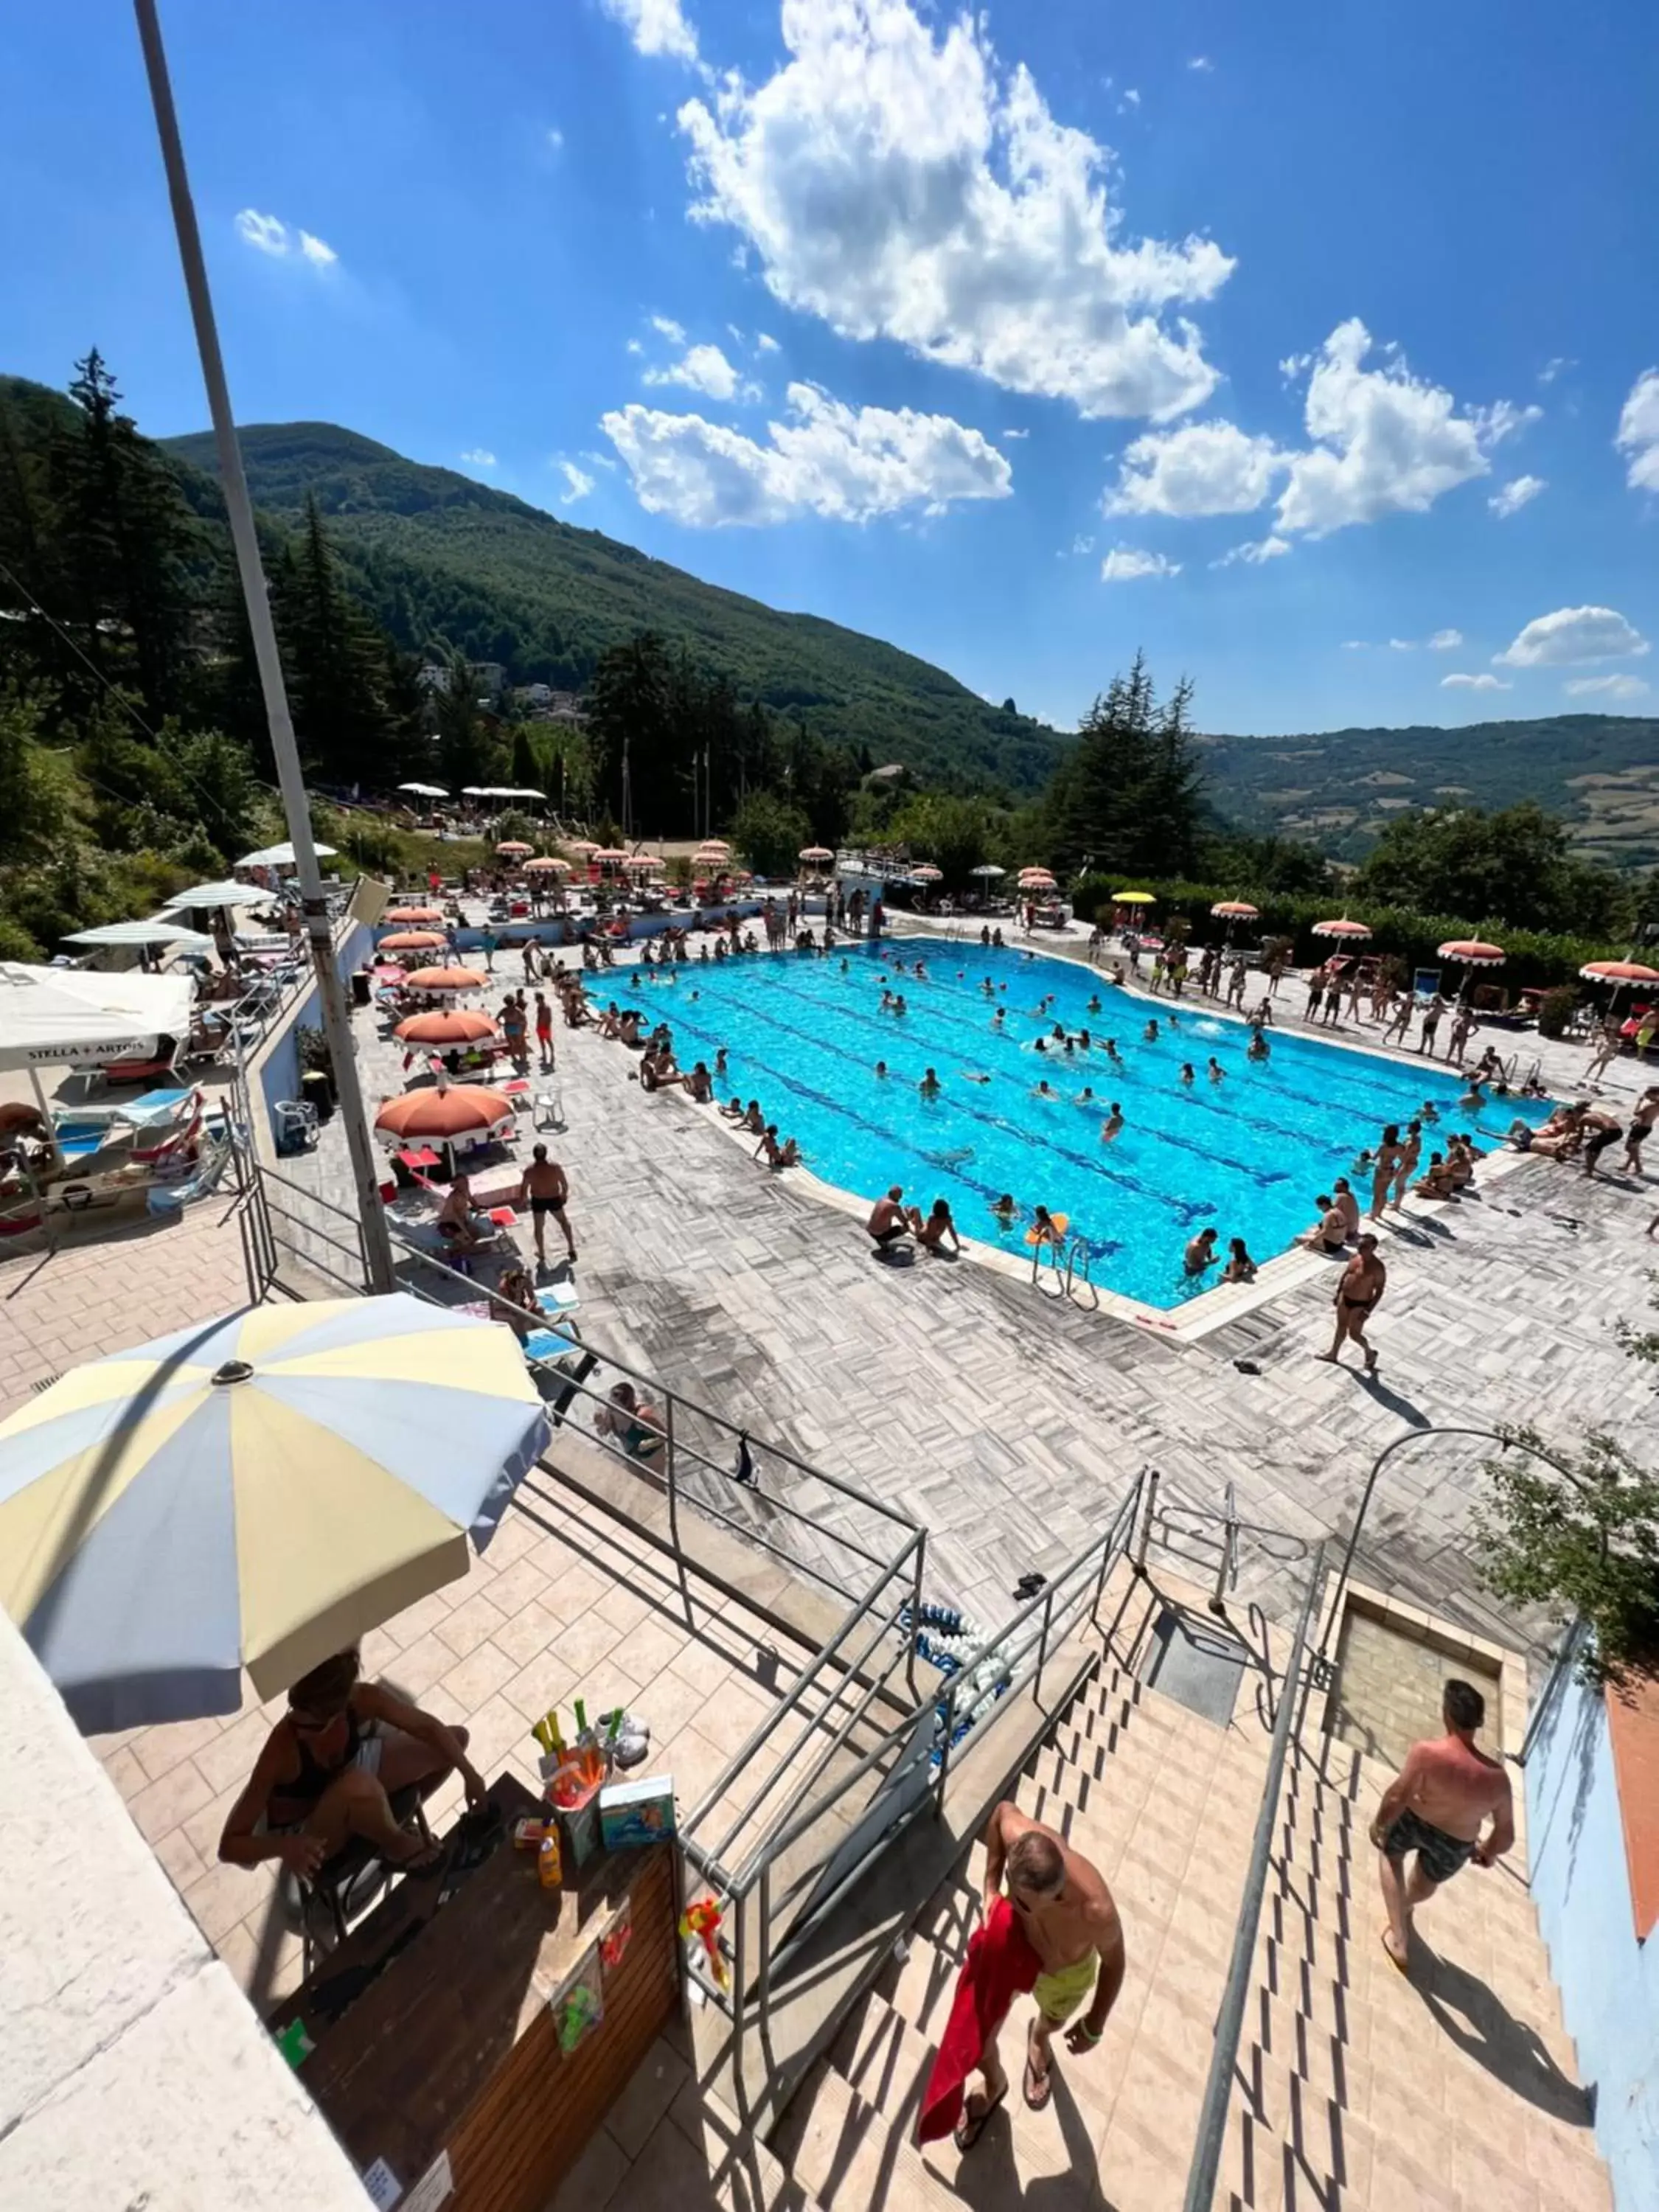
1009	1425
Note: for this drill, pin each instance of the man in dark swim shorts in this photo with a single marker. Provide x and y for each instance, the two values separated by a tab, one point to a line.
1436	1807
547	1186
1363	1281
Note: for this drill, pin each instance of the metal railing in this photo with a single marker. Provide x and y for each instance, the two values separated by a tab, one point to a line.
1241	1974
801	1869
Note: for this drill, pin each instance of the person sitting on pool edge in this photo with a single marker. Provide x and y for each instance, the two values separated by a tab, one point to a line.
938	1225
889	1220
1329	1234
329	1769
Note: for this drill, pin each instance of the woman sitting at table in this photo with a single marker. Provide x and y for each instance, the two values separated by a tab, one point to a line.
329	1769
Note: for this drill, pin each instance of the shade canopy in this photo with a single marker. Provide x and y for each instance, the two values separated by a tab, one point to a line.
445	1112
142	933
1342	927
413	915
645	861
280	856
446	979
585	846
1134	898
425	790
927	873
258	1490
816	853
1472	952
446	1026
411	940
712	845
549	864
1235	910
501	791
49	1016
987	868
514	845
1618	971
201	896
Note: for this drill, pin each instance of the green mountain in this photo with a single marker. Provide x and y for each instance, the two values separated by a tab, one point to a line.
438	556
1337	788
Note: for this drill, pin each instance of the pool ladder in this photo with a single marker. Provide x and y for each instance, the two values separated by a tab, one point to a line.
1071	1271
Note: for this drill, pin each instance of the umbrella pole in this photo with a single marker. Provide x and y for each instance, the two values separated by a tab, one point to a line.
46	1115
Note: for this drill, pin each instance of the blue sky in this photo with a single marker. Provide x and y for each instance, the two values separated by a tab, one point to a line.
1315	348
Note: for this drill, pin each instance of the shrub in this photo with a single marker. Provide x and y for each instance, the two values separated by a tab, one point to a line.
1554	1008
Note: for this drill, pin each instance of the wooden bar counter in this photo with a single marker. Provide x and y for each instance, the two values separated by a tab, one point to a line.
436	2026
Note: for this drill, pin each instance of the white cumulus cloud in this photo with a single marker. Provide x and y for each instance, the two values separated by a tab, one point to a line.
1203	468
1573	634
479	457
764	342
1254	550
1445	641
264	232
896	182
704	368
1124	563
268	233
1386	442
1510	499
1403	644
656	27
1202	64
1638	435
1606	687
1382	442
577	482
1481	683
666	327
847	463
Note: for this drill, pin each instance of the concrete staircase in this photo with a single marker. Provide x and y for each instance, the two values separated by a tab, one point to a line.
1355	2086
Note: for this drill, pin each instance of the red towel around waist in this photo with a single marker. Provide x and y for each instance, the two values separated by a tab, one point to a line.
1000	1965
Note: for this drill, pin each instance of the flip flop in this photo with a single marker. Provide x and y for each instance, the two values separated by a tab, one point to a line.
428	1860
971	2126
1398	1963
1036	2089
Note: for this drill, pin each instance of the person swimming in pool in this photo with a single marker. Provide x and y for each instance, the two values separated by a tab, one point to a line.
1005	1209
1258	1047
1240	1267
1218	1073
1188	1075
1042	1090
929	1085
1201	1252
1044	1229
1095	1006
1086	1096
1108	1045
1149	1032
996	1018
881	1071
1111	1128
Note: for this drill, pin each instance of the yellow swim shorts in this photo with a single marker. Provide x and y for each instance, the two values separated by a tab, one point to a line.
1059	1994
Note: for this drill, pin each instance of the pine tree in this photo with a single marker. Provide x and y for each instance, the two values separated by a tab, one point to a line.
127	539
1128	799
337	666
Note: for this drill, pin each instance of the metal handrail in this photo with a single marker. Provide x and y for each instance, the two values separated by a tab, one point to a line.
1230	2018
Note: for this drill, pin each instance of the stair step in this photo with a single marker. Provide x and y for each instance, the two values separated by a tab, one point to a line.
881	2055
839	2147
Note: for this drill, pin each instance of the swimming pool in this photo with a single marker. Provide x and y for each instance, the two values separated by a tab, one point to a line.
1246	1155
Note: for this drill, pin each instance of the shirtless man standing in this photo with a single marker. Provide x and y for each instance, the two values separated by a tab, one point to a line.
1360	1290
1064	1906
1436	1807
547	1186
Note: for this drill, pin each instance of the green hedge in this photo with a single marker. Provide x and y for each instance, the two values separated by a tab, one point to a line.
1536	957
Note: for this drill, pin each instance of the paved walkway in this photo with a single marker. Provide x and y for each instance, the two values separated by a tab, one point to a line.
1010	1424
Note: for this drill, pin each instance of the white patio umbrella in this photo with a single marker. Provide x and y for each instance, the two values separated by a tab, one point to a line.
279	856
987	868
202	896
258	1491
425	790
142	933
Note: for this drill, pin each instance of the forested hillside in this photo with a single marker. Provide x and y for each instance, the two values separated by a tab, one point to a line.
1340	789
438	556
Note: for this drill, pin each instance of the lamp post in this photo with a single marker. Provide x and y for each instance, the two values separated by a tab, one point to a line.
337	1022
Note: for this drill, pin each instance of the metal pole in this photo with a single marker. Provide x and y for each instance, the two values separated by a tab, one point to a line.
945	1749
673	1493
1218	1597
1152	1480
1042	1645
336	1022
1229	2019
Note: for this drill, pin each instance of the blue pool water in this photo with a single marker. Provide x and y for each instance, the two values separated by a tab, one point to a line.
1247	1156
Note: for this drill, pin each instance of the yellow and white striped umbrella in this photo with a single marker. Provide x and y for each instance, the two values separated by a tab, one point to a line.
256	1491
